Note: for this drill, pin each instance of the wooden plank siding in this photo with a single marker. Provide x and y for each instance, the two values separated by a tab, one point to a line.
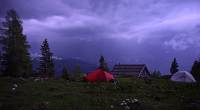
133	70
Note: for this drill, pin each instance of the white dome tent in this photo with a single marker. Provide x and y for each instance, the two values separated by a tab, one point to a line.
183	76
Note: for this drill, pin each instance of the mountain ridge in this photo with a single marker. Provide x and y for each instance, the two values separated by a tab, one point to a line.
70	64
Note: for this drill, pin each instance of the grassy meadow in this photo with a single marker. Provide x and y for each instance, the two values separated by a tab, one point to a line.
129	93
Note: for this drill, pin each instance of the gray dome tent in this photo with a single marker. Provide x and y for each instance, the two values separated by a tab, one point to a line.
183	76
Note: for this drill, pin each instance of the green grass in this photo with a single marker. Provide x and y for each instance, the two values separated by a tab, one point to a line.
156	94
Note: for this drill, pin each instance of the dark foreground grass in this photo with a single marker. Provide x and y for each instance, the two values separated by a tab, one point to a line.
154	94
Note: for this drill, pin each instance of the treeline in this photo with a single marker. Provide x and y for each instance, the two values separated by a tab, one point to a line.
195	70
174	67
15	59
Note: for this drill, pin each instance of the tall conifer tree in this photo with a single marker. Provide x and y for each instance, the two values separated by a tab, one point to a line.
16	60
174	66
196	70
46	68
102	64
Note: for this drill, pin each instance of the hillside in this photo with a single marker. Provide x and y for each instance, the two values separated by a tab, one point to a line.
133	94
70	63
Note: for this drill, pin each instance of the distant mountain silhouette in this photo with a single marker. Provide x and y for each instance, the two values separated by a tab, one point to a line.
69	63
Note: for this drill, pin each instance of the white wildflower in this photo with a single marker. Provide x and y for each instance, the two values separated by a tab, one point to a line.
111	106
135	100
127	107
15	85
13	89
128	100
36	79
125	103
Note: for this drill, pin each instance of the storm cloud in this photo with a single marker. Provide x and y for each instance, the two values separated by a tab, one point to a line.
125	31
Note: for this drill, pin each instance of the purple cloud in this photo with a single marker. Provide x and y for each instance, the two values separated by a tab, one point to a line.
126	31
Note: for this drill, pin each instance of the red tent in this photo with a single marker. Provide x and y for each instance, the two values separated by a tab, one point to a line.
99	75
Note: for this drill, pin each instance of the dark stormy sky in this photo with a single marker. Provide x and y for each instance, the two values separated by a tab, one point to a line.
124	31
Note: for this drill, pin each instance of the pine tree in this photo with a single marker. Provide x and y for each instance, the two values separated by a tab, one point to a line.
174	66
196	70
16	60
102	64
46	68
65	74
